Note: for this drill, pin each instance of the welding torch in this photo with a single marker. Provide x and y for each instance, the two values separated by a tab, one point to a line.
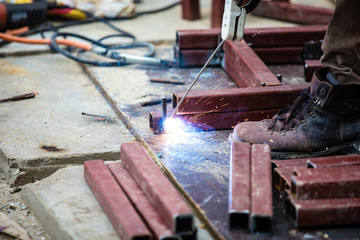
232	29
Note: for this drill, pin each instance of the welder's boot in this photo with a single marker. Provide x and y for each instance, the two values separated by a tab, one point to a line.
321	120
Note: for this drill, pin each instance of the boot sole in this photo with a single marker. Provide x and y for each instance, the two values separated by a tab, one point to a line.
343	149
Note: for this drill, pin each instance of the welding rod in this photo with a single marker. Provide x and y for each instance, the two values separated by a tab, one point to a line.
19	97
197	77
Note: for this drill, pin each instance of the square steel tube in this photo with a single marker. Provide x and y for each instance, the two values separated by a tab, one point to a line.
120	211
280	55
310	67
319	183
158	189
288	163
261	213
198	39
294	12
211	120
237	99
249	64
190	9
323	212
141	203
239	187
333	161
282	177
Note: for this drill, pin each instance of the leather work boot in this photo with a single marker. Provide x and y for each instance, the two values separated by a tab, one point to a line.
322	120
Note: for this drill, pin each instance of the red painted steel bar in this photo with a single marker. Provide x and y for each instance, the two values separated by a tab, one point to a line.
190	9
124	218
198	39
239	187
284	36
211	120
310	67
158	189
323	212
217	11
282	176
237	99
195	58
141	203
249	64
294	12
261	190
316	183
233	71
281	55
288	163
333	161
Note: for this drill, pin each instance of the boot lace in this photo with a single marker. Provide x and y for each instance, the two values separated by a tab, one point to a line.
293	115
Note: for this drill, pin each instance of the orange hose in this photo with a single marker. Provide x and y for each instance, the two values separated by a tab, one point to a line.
11	38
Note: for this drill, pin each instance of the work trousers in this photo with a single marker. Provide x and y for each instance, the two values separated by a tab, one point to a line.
341	44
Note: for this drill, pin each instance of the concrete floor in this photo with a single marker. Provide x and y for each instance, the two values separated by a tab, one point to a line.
41	135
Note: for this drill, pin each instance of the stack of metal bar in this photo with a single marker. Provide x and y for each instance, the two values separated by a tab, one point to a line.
320	191
138	199
250	190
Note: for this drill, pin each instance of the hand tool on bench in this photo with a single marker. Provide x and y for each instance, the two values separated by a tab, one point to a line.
232	29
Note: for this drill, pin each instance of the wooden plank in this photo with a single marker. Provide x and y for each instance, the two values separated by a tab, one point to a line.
124	218
261	190
239	187
140	201
158	189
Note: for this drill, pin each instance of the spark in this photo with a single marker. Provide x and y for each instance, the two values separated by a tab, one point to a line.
256	33
271	140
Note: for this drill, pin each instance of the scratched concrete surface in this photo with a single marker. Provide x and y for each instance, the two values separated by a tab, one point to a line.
50	130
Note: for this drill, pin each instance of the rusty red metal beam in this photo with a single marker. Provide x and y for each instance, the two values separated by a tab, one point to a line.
237	99
124	218
293	12
316	183
141	203
310	67
255	72
280	55
261	213
158	189
217	11
323	212
333	161
198	39
190	9
195	58
289	163
239	187
210	121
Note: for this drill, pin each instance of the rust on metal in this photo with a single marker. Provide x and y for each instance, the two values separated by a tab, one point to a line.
118	208
190	9
289	163
239	187
141	203
158	189
335	182
294	12
310	67
323	212
261	214
249	64
333	161
19	97
282	177
237	99
280	55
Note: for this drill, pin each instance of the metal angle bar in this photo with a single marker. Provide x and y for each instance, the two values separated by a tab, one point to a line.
317	183
333	161
323	212
190	9
294	12
124	218
141	203
237	99
158	189
251	66
261	214
211	120
239	187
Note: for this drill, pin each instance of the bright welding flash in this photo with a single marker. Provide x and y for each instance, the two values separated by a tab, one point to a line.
174	125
